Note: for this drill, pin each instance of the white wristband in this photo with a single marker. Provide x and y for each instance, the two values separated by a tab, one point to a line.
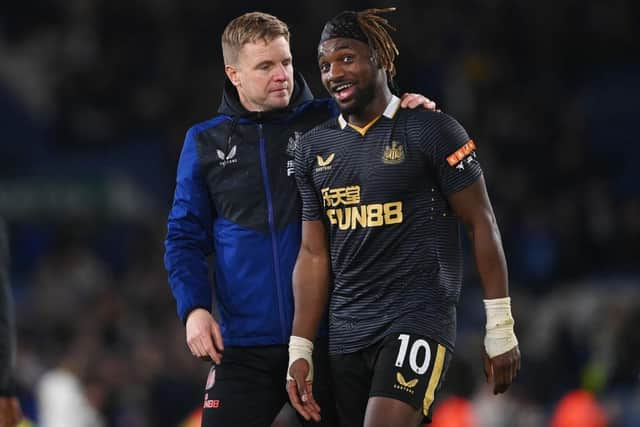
300	348
499	337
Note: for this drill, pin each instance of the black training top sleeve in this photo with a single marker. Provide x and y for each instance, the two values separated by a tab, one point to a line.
7	333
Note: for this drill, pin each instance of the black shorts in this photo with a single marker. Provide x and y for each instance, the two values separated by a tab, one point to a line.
405	367
248	389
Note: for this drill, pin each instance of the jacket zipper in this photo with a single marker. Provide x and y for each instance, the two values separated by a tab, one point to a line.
272	229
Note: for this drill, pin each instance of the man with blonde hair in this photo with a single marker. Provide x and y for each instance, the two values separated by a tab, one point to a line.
236	197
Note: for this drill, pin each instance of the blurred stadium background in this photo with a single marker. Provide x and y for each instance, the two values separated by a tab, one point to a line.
95	97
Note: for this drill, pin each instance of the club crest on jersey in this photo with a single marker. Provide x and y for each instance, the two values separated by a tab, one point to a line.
404	385
324	164
394	153
292	145
228	158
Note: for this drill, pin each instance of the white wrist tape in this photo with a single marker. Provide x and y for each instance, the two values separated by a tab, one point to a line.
499	337
300	348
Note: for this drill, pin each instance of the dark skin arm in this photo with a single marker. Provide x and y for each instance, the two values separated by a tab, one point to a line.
311	294
473	207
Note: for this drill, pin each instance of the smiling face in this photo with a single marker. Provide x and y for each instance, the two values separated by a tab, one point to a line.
351	75
263	74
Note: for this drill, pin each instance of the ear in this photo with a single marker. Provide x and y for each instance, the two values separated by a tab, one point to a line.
232	74
373	59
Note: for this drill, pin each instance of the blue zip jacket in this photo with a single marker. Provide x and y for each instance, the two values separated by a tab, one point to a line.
236	198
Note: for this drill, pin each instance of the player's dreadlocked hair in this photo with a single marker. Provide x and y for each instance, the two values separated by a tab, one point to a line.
371	29
377	28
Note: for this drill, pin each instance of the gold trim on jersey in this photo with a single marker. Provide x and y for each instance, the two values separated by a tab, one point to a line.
389	112
365	128
434	380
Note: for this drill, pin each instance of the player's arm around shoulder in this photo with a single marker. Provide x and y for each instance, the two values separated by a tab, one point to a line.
417	100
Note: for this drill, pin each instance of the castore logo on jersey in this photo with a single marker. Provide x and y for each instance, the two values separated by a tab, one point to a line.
324	164
229	158
405	385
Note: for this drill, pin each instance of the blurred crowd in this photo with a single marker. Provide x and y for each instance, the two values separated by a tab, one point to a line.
95	97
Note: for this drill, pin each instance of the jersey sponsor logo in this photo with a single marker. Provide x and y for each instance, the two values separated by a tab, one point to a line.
404	385
324	164
393	154
346	212
211	378
210	403
228	158
332	197
461	153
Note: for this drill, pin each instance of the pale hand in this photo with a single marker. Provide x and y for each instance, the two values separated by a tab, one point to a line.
415	100
204	338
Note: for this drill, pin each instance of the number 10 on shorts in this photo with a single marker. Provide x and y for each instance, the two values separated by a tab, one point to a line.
419	363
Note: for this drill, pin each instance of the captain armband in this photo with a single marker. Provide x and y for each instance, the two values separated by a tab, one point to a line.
499	337
300	348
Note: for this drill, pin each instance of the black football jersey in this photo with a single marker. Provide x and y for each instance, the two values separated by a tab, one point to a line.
394	242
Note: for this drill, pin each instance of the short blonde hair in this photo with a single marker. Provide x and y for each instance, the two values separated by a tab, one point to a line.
249	28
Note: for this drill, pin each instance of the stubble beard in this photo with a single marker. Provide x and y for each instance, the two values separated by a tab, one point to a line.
361	99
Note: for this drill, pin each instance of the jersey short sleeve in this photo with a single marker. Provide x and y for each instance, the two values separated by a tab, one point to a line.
311	208
452	153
